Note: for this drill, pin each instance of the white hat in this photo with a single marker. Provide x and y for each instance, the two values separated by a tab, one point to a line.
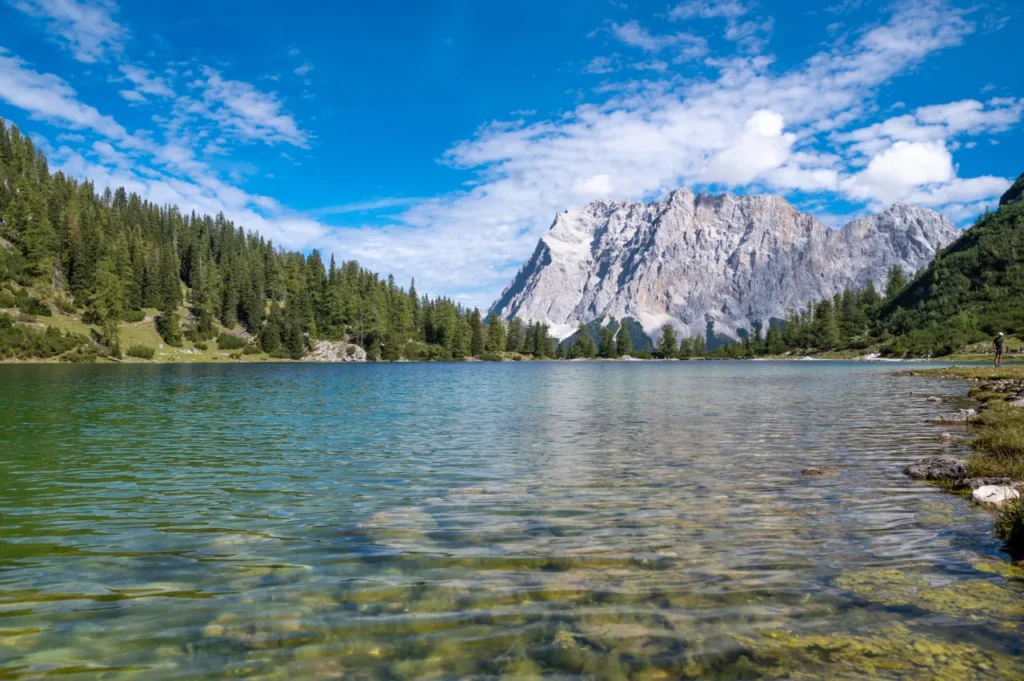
1000	333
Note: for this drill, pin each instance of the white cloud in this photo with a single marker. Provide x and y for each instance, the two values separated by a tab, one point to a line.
600	65
247	112
367	206
895	173
47	97
650	65
761	146
708	9
304	69
686	46
111	156
86	27
936	123
750	36
594	187
133	96
145	82
972	116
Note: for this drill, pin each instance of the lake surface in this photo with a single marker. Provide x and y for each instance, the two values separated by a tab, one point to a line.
562	520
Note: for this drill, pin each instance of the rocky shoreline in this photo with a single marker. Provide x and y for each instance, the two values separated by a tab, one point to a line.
1000	399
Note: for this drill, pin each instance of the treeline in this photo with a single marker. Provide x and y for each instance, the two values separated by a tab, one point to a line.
108	255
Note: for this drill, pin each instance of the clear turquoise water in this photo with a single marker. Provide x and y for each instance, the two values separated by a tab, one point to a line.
564	520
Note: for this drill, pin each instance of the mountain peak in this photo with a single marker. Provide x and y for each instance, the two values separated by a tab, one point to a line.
737	260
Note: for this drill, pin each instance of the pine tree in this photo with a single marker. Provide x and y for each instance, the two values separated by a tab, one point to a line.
514	335
270	338
108	304
607	346
476	334
667	343
896	281
495	334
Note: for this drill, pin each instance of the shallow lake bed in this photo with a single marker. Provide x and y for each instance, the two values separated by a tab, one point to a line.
598	520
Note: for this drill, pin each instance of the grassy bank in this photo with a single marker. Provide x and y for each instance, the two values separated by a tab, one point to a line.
999	438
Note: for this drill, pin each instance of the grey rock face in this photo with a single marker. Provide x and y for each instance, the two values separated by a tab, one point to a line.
937	468
693	258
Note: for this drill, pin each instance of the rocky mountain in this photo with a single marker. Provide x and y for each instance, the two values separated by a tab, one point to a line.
693	259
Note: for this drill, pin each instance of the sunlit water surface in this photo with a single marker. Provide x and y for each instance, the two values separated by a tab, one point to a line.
583	520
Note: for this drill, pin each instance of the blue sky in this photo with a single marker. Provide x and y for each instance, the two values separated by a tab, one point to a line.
438	139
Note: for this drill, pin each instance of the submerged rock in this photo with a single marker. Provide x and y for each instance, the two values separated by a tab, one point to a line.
946	437
961	416
975	483
937	468
933	398
994	496
821	471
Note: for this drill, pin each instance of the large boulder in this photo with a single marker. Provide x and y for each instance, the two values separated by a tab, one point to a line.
327	351
937	468
994	496
821	472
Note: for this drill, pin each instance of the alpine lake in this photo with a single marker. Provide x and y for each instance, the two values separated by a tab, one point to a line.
569	520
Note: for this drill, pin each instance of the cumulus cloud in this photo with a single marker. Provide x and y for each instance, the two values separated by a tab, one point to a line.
761	146
86	27
895	172
936	122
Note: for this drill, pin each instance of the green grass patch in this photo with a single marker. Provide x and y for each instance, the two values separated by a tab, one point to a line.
988	373
141	351
1010	527
132	316
226	341
999	443
987	396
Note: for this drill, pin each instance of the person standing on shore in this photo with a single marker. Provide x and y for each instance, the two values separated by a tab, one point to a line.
997	345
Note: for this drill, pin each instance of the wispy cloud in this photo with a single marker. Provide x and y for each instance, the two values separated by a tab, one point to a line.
145	82
245	111
685	46
86	27
709	9
367	206
601	65
50	98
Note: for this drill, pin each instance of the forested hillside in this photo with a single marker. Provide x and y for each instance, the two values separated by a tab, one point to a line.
973	289
111	259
